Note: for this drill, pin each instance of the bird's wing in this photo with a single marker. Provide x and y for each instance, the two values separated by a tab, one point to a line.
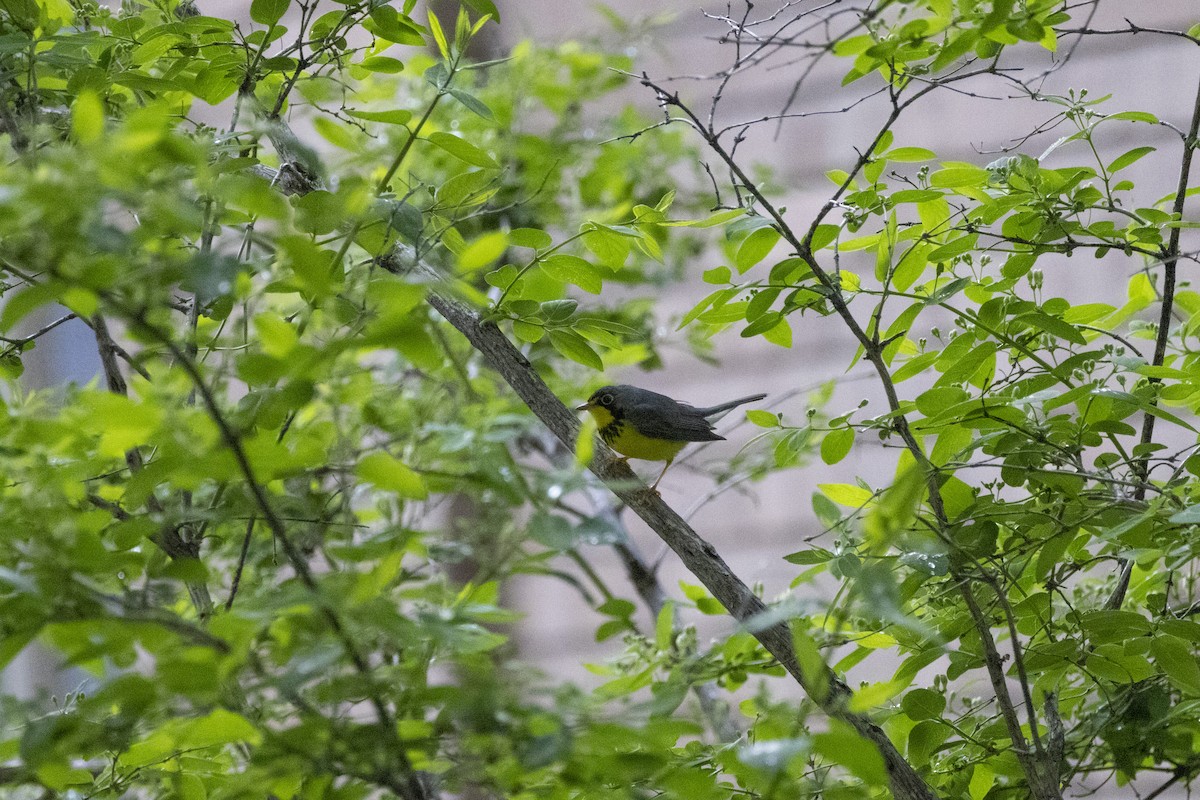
661	417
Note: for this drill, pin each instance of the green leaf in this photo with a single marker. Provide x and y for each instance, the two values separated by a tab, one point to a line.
61	777
755	248
935	216
1129	157
268	12
1113	625
824	235
399	116
1018	265
954	248
278	336
87	117
1053	326
528	331
553	531
842	746
483	7
964	365
467	189
983	778
910	266
910	154
837	177
717	275
873	695
385	64
463	150
532	238
1145	407
762	324
620	687
483	251
812	556
779	334
558	310
836	445
573	270
921	704
25	301
611	247
14	643
1189	516
217	728
924	739
812	663
847	494
389	474
861	243
576	348
473	103
1140	290
387	23
664	628
711	221
705	603
714	300
318	212
1136	116
336	133
439	36
763	419
1175	658
191	787
959	176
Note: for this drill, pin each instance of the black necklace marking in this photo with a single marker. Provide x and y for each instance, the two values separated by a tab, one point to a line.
612	430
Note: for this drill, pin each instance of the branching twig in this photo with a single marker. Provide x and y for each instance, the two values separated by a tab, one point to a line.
15	345
414	789
1041	784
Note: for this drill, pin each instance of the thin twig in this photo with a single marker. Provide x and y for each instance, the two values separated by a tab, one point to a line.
237	573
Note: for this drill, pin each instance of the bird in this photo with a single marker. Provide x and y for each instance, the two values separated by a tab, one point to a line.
639	423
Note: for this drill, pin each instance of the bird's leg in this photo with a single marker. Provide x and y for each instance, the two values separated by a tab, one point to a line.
654	486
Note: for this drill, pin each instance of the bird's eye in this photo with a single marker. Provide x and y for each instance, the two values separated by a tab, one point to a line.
606	399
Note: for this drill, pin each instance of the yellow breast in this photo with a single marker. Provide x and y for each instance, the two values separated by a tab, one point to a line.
621	436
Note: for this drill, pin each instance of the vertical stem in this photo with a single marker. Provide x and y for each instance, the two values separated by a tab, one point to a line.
1170	260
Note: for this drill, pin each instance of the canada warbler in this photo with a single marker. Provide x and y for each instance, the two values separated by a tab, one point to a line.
638	423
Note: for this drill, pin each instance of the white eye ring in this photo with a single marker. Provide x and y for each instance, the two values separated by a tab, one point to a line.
606	399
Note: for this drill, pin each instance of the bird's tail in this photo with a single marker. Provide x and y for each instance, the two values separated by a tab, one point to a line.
708	412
